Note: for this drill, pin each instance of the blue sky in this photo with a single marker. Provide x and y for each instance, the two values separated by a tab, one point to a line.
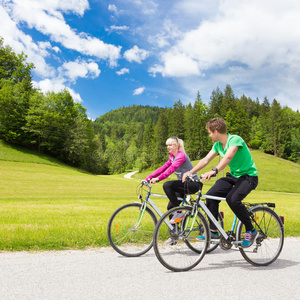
110	54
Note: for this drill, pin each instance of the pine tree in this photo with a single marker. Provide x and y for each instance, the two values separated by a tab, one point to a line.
215	104
160	137
276	129
176	127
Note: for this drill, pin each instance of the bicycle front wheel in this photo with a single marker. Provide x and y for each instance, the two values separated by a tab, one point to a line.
130	232
172	242
269	242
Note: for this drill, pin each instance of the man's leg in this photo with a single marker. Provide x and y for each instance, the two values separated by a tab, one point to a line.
244	185
220	189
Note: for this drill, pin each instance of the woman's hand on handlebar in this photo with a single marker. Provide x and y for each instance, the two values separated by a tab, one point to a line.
187	176
154	180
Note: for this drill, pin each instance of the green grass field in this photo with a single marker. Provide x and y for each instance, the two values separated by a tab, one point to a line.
47	205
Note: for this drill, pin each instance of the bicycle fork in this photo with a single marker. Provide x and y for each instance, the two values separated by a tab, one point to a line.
140	217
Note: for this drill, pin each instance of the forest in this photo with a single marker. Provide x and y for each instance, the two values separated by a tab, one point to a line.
135	136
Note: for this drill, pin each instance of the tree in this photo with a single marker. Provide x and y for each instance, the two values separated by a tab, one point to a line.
238	122
276	126
202	142
13	109
14	66
228	101
215	104
160	137
148	146
176	127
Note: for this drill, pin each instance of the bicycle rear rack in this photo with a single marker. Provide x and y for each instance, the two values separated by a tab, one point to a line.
269	204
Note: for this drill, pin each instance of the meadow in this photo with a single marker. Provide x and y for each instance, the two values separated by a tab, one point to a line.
47	205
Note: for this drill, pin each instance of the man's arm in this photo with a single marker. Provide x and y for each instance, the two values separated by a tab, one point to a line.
201	164
223	162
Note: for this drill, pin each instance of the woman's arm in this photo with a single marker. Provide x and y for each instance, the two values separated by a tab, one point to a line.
201	164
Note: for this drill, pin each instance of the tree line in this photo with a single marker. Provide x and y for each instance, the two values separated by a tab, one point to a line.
135	141
135	136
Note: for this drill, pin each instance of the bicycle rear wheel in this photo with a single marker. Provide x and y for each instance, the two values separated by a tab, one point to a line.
269	241
129	233
178	255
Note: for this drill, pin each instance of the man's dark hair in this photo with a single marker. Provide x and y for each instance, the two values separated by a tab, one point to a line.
216	124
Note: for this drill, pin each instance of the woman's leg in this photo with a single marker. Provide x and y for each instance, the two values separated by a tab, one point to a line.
175	188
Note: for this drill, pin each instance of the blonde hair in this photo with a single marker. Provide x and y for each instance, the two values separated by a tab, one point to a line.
175	140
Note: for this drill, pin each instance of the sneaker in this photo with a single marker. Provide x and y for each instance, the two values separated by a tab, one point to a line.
170	242
213	236
249	239
177	217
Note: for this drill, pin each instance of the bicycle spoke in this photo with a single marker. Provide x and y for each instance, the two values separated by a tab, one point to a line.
269	241
129	231
175	248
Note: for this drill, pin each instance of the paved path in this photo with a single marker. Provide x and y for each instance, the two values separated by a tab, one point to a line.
104	274
128	175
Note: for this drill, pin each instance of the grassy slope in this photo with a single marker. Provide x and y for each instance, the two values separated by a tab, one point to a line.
48	205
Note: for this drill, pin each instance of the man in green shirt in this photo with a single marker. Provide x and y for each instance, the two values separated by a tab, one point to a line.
237	184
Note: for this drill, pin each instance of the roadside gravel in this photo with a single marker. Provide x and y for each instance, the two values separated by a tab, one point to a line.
104	274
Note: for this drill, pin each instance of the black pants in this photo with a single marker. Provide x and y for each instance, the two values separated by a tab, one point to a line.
235	190
177	188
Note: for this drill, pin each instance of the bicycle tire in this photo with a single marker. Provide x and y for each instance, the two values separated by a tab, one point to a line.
179	256
214	243
269	242
127	238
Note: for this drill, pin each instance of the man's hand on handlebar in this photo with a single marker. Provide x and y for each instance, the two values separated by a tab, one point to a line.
208	175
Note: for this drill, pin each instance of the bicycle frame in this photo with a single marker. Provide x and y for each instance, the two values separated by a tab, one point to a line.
154	206
200	203
209	214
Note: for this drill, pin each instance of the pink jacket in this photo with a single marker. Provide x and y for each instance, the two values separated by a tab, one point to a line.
169	167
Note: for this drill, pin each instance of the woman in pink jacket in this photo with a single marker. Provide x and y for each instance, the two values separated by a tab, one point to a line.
178	163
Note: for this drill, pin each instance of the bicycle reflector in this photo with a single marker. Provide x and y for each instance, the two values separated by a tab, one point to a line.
178	220
282	219
222	213
117	227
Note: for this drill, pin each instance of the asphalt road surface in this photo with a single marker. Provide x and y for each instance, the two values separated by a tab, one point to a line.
104	274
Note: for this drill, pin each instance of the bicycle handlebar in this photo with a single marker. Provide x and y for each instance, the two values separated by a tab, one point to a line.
190	178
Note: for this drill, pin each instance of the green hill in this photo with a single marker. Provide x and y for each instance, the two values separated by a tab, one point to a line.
48	205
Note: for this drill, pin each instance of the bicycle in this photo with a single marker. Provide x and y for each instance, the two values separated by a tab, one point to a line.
185	234
130	228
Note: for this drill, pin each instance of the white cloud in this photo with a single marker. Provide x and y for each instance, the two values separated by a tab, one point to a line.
136	54
252	33
118	28
69	72
123	71
167	35
146	7
21	42
177	65
46	17
79	68
251	45
138	91
56	86
113	8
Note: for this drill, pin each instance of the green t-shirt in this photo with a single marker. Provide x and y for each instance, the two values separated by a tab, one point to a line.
242	163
